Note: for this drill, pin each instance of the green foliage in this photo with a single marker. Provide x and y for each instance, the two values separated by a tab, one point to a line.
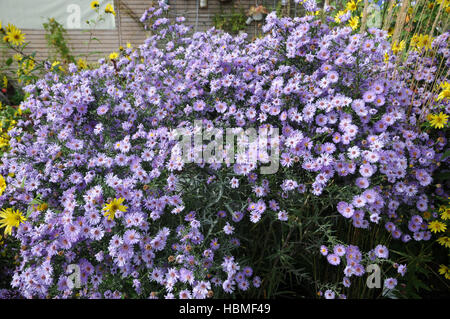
56	40
9	248
417	256
230	22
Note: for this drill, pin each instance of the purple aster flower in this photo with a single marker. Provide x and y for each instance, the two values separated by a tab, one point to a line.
369	96
334	259
339	250
402	269
390	283
256	281
282	215
323	250
345	209
329	294
381	251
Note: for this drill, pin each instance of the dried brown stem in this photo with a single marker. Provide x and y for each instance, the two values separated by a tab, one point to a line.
388	17
400	22
364	16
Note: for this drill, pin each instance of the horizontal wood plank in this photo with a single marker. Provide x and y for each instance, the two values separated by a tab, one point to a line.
129	29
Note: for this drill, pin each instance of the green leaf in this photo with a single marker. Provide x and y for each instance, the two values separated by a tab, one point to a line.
29	210
22	184
444	176
37	200
446	154
419	284
9	62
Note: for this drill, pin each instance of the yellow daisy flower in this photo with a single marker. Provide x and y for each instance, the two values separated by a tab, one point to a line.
438	120
444	241
437	226
56	63
337	17
18	57
425	42
351	5
112	207
446	213
414	41
443	269
446	2
82	64
353	22
113	55
445	93
10	219
14	36
2	184
398	47
110	9
95	5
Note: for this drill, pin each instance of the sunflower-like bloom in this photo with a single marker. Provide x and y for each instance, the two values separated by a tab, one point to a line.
421	42
112	207
445	93
444	241
438	120
14	36
95	5
437	226
110	9
113	55
445	213
353	22
445	271
2	184
82	64
398	47
338	16
352	5
10	218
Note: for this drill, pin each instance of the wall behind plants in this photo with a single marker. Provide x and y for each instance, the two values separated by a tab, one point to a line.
130	29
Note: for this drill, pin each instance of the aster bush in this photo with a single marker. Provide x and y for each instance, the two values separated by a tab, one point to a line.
103	186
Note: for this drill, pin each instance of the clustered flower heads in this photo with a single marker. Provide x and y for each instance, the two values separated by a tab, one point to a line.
103	155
